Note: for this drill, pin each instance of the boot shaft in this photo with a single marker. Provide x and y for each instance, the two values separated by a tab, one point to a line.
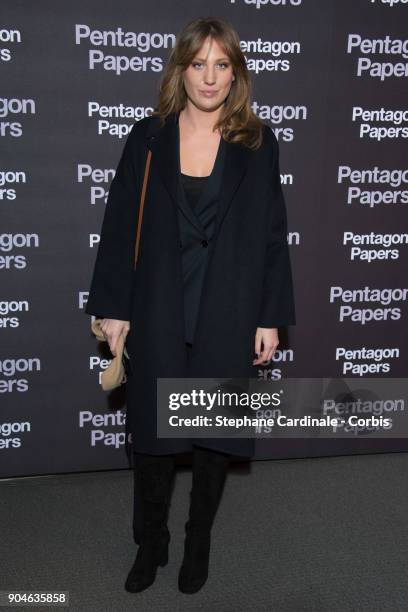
208	478
153	483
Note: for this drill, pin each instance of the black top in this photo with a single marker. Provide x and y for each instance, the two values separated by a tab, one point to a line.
193	186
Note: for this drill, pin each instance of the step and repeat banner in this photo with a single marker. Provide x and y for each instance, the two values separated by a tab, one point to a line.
330	78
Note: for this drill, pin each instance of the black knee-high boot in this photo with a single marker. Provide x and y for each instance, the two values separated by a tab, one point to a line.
154	478
137	509
209	474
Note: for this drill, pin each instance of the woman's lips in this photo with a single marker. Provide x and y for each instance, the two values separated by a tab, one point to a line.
207	94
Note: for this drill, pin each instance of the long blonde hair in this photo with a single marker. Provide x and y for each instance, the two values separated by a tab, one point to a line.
237	122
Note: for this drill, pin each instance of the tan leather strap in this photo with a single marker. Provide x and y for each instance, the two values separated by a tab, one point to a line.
141	206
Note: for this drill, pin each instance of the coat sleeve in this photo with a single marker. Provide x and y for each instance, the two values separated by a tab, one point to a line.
110	294
277	305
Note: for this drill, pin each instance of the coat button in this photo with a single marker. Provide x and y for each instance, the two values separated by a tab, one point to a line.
204	243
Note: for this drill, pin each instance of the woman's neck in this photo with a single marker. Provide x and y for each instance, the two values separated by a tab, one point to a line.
197	121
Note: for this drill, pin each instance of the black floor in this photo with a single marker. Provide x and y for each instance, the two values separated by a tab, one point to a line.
315	535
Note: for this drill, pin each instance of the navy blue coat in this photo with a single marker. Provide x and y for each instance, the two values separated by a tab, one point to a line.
245	282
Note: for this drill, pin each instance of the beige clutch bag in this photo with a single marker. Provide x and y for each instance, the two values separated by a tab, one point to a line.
115	374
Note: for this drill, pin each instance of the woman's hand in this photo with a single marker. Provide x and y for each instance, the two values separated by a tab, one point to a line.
112	329
269	337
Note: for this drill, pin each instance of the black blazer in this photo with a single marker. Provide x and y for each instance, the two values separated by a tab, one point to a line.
196	232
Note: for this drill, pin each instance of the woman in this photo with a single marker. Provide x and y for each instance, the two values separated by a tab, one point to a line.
213	279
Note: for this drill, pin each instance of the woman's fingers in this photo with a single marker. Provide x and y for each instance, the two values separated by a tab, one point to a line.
114	340
267	340
112	329
258	342
265	355
112	343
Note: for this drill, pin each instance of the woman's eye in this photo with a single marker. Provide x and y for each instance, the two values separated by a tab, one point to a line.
223	64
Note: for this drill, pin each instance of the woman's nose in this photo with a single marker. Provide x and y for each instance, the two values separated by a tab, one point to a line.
209	76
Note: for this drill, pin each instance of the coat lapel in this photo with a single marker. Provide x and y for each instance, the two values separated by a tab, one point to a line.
163	143
236	163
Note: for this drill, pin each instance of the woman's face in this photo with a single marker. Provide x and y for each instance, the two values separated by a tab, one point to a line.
208	78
